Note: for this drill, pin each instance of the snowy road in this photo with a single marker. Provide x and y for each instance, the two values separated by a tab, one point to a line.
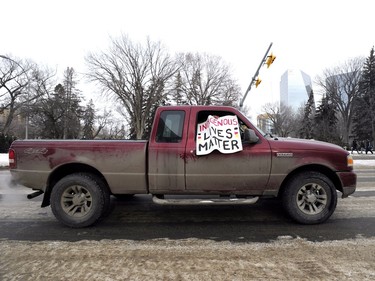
143	241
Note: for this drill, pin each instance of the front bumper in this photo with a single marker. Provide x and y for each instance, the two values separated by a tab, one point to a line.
348	183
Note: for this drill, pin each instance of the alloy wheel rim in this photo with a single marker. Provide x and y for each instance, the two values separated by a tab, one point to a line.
76	201
312	199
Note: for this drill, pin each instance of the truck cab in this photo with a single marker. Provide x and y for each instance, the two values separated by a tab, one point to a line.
174	165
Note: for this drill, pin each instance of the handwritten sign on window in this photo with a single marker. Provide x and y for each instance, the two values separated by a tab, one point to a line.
220	133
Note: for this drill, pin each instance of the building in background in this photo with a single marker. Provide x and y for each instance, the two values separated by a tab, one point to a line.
264	123
295	88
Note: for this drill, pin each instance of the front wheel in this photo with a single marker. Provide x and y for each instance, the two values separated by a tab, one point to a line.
310	198
79	200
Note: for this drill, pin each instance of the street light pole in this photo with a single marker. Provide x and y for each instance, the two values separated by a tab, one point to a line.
255	75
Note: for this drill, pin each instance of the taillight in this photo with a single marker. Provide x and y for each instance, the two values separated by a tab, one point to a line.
12	159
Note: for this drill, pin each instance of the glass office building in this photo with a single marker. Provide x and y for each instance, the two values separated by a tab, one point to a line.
295	87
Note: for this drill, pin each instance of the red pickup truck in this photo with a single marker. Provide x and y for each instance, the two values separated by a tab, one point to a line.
214	152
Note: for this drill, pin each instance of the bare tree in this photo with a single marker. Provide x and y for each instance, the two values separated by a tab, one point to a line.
282	119
137	76
205	80
341	85
14	92
101	125
109	126
101	122
22	84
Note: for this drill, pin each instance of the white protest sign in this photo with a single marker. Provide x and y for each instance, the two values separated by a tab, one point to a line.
221	133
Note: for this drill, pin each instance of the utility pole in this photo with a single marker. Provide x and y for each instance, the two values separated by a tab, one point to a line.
255	80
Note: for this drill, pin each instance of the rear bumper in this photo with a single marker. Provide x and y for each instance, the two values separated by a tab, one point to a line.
348	183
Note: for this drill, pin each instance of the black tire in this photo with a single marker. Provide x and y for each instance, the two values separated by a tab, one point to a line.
309	198
79	200
107	195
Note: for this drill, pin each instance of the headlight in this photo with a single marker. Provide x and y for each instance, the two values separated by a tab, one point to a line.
349	160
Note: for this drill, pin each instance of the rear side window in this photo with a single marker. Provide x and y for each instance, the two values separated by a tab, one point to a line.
170	126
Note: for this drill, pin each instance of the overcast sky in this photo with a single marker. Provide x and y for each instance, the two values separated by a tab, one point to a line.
307	35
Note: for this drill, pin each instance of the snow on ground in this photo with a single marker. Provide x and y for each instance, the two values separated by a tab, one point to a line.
4	161
365	162
286	258
188	259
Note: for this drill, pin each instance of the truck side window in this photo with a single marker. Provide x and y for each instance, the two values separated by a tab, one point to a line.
170	126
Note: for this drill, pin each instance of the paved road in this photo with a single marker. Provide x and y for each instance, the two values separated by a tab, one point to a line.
140	219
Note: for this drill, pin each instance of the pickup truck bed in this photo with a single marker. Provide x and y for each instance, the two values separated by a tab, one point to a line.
122	163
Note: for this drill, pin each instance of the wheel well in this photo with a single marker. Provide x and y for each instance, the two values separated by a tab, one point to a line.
312	168
64	171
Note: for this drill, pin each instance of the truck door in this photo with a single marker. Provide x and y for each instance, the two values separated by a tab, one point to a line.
166	165
243	172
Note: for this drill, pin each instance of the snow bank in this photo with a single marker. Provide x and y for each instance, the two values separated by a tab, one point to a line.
4	161
366	162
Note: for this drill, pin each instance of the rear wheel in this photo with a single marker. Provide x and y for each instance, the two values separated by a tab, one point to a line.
79	200
310	198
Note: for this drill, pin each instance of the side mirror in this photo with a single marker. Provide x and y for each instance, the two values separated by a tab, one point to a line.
250	136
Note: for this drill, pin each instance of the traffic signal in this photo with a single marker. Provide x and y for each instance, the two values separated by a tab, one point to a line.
257	82
270	60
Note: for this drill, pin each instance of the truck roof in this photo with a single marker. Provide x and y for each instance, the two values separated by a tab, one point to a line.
210	107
